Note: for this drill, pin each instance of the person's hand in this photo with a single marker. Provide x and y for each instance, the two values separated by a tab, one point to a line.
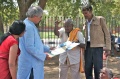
52	48
57	22
107	52
48	56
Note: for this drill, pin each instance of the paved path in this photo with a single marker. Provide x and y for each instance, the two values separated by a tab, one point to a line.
52	68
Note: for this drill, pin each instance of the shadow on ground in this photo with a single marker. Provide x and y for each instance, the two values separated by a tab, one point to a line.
52	67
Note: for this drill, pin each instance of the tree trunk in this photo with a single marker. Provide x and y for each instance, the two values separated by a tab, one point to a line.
42	3
1	26
25	4
23	7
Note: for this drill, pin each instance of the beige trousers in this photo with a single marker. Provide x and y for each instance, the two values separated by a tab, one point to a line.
74	69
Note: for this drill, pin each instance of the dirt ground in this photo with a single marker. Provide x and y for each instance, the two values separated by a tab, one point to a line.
52	67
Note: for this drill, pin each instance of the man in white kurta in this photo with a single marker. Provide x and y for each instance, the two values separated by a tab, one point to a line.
71	58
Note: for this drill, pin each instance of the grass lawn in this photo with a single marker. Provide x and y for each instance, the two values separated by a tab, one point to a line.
48	35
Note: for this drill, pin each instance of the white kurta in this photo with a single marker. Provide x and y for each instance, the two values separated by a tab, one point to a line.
72	55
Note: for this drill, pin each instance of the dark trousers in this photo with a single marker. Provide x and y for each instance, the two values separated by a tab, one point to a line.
93	59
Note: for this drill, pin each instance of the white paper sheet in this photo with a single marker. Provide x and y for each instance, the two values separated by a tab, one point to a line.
62	48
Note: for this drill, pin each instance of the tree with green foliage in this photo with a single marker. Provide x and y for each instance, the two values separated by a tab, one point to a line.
65	8
25	4
8	12
11	10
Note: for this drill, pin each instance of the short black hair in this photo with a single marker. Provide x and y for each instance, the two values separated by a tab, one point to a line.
87	7
17	27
